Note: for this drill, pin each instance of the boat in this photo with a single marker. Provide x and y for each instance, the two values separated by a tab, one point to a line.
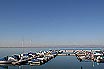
23	59
9	59
100	59
35	62
43	59
5	60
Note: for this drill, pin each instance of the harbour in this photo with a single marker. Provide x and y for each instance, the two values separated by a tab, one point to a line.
51	34
63	58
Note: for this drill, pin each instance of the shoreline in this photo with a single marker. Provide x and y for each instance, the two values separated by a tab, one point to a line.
52	47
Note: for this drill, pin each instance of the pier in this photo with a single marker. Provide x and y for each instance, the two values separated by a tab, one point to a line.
63	54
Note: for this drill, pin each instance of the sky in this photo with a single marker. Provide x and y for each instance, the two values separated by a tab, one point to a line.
51	22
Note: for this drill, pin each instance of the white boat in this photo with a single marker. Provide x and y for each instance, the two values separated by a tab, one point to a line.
5	60
9	60
35	62
100	59
43	59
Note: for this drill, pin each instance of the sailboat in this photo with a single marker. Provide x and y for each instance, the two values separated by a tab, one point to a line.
9	59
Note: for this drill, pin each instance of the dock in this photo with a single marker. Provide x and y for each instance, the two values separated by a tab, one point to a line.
63	54
43	57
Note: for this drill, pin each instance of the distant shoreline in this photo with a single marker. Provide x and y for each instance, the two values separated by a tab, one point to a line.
55	47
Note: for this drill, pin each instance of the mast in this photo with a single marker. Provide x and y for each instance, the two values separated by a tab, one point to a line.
23	46
30	43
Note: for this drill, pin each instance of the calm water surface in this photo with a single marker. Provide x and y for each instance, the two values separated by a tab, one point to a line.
60	62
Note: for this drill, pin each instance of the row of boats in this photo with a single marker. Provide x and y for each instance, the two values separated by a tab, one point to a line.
42	57
30	58
93	55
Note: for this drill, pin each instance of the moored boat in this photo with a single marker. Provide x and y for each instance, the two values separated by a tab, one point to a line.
4	60
8	60
35	62
100	59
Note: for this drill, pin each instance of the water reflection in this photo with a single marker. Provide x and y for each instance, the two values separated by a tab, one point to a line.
98	63
93	64
4	67
81	67
19	67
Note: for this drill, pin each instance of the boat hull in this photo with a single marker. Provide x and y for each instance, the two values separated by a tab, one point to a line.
5	62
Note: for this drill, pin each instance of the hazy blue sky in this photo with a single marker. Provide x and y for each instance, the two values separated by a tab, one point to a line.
52	22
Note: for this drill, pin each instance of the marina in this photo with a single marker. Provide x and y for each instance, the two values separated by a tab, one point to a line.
51	34
45	56
30	58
